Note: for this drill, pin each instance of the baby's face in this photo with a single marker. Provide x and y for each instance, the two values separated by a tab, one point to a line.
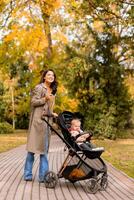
76	125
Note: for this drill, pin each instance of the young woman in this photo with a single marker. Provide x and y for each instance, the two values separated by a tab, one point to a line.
42	102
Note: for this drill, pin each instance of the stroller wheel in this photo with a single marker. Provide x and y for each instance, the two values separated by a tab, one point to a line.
92	186
104	183
51	179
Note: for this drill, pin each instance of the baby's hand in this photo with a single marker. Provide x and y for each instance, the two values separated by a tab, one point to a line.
81	139
74	133
86	135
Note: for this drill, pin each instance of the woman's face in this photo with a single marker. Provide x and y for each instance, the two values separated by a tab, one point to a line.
49	77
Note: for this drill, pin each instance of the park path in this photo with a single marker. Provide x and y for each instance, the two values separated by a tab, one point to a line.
13	187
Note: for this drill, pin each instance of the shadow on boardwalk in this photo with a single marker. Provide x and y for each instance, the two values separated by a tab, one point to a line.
13	187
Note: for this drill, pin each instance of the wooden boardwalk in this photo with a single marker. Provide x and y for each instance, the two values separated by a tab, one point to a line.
13	187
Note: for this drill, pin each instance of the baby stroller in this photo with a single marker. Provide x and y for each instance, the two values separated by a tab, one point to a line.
79	164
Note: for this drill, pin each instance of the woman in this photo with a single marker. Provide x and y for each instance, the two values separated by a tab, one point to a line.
42	102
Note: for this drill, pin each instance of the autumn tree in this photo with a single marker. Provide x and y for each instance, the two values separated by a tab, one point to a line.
87	43
47	7
98	58
25	45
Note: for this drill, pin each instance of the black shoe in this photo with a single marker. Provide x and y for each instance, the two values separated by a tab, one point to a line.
41	181
28	179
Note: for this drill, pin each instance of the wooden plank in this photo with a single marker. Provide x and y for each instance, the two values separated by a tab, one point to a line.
13	187
29	184
10	181
58	191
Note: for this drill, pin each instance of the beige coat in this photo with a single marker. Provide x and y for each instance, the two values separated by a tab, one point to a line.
38	129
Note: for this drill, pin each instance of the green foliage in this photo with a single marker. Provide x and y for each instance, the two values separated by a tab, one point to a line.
20	83
22	93
103	96
99	39
2	103
1	89
2	110
106	126
22	120
5	128
97	73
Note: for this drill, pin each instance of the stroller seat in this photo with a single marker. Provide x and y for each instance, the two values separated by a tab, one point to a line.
98	149
92	153
64	120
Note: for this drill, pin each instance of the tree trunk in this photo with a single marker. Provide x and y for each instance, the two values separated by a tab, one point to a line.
48	35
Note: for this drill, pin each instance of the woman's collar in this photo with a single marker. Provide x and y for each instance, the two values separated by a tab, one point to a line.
43	85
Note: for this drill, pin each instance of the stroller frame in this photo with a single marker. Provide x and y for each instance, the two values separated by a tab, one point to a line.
97	178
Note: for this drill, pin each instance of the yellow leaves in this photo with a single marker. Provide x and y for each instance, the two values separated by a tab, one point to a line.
33	39
60	36
67	104
4	2
21	16
113	7
51	3
130	83
62	89
64	102
57	3
4	78
13	33
98	25
74	3
48	6
115	49
73	104
10	37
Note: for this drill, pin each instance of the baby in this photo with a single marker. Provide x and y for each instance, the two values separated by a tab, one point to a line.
82	138
77	133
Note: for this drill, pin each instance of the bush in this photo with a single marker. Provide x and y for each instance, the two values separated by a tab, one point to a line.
105	125
105	128
5	127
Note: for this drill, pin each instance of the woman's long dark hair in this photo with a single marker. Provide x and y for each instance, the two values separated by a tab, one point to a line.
54	84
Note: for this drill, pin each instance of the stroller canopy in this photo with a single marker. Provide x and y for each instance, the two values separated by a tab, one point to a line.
64	121
65	118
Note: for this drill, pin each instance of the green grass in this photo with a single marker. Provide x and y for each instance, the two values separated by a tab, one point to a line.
9	141
120	153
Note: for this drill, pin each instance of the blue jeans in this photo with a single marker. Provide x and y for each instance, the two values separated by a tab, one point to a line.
43	166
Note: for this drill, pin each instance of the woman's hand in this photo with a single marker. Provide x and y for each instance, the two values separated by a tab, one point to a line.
55	114
48	97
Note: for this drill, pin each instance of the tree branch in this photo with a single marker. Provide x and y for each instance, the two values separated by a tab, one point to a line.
9	14
31	14
123	60
105	10
126	2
